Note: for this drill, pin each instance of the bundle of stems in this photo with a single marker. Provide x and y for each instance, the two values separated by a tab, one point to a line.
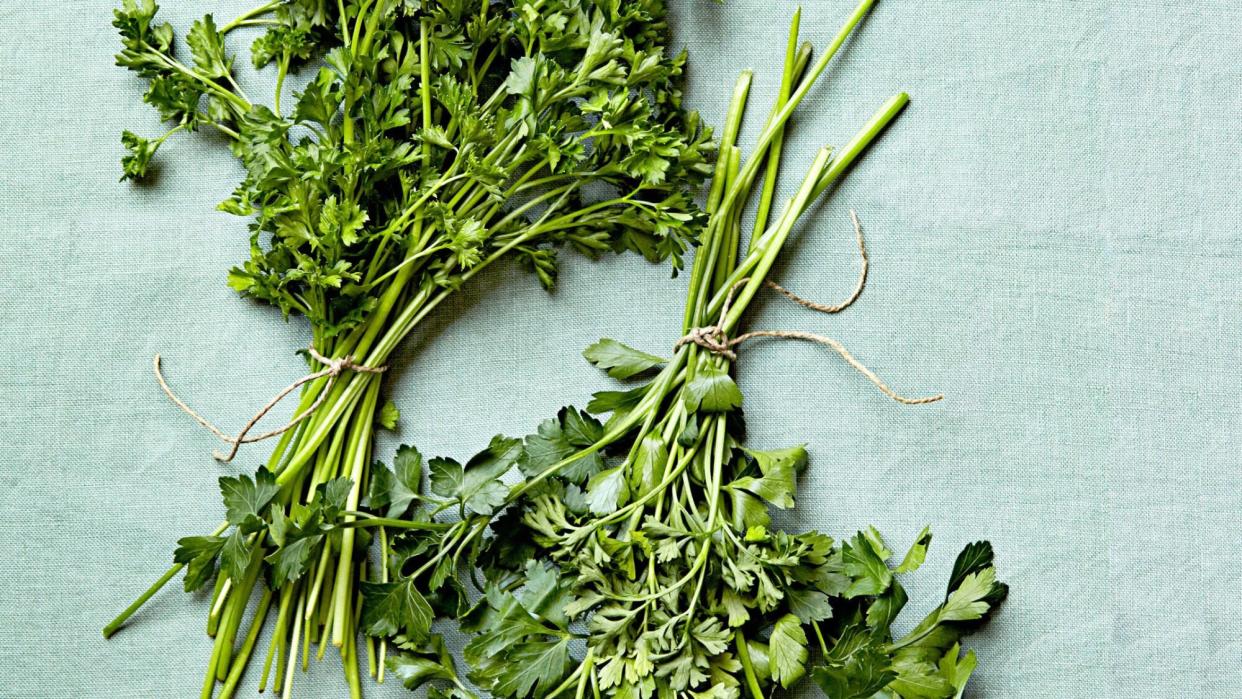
439	138
658	537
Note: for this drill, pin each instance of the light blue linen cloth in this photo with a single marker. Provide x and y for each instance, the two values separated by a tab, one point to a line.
1054	231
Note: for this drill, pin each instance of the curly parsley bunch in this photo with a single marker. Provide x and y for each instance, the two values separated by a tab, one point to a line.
430	139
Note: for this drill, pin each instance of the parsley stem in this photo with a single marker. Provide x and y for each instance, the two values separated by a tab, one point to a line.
573	679
796	59
116	624
242	19
370	520
743	654
252	637
777	123
278	634
819	634
357	455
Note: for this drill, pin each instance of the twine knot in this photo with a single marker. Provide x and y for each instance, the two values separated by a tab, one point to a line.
710	338
333	368
714	339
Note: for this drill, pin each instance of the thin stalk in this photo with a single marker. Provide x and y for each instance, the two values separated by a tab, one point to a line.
249	14
116	624
213	620
293	644
252	637
278	634
778	122
748	667
792	56
361	442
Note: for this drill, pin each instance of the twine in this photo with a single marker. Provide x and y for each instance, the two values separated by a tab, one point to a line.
333	368
713	338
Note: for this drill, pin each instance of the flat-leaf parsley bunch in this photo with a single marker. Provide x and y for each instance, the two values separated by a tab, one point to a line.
638	558
433	138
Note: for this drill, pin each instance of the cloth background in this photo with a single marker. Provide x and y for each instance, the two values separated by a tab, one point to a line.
1054	230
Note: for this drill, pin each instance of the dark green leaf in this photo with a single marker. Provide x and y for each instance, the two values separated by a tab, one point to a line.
291	561
393	491
395	607
244	498
712	390
236	555
621	361
198	554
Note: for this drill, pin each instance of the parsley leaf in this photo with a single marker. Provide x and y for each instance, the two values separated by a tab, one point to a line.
712	390
198	554
476	485
393	491
621	361
245	498
396	607
787	651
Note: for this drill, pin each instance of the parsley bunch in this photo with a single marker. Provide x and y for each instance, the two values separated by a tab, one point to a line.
434	138
638	557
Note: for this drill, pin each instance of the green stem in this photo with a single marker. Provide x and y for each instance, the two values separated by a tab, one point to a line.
743	654
748	173
252	637
793	57
116	624
361	442
241	19
373	521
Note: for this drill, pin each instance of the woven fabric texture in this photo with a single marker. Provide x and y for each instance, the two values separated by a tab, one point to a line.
1055	244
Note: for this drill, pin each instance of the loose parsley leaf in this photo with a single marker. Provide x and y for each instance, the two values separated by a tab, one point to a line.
388	416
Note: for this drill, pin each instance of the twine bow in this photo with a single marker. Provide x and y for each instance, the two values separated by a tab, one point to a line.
714	339
333	368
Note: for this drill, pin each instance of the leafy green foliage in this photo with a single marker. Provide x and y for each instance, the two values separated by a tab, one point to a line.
434	138
570	432
198	554
245	498
476	486
787	651
712	390
423	174
397	607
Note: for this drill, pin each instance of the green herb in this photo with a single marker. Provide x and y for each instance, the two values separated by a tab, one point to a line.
437	137
648	537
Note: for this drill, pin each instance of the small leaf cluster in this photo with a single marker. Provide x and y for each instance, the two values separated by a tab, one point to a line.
259	530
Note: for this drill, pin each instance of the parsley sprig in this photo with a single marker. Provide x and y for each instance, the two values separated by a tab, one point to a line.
430	139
